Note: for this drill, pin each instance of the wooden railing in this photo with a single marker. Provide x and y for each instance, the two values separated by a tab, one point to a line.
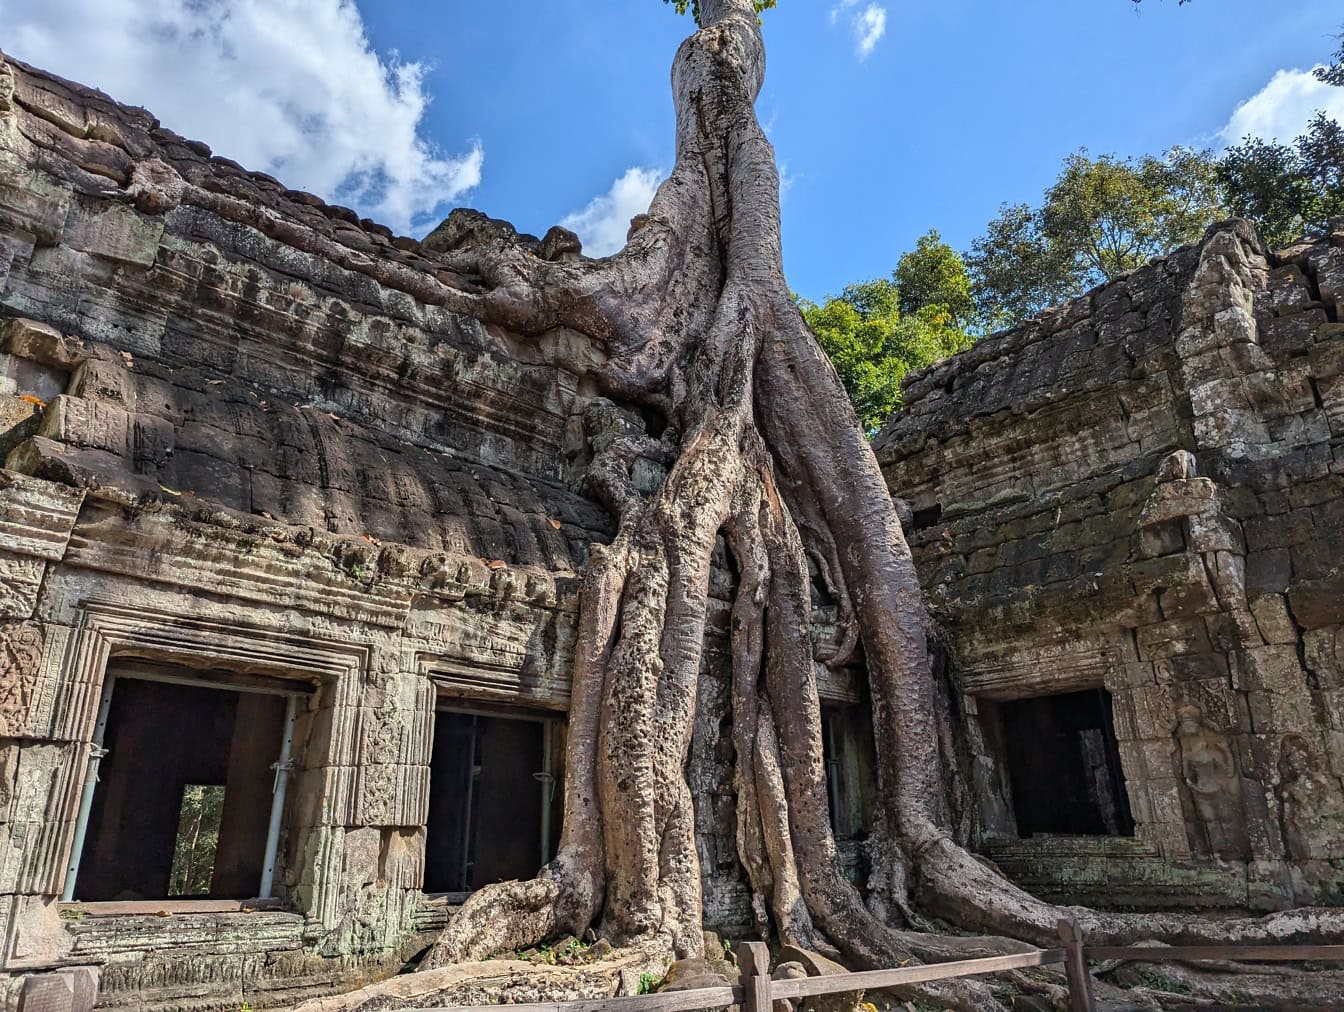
757	992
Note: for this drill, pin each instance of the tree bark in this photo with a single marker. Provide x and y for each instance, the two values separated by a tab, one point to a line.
762	448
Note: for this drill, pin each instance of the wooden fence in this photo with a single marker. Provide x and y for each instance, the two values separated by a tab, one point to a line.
757	992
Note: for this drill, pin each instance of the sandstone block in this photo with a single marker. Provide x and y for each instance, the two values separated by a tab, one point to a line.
1273	620
21	645
1318	603
1167	639
1288	711
1292	334
1327	264
70	990
20	583
1268	571
116	233
1273	668
1323	652
1179	498
40	343
1327	353
76	421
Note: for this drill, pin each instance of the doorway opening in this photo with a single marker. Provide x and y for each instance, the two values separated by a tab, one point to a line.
185	791
493	801
1064	765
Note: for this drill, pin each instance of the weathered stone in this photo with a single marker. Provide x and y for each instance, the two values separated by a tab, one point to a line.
21	647
69	990
1177	498
692	974
1271	615
1177	466
1224	577
115	233
20	581
40	343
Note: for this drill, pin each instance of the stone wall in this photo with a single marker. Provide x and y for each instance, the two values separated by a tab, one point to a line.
1143	490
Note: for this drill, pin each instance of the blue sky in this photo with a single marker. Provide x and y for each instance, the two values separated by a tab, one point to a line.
889	118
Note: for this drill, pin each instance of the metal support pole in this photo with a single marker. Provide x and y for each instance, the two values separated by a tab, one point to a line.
833	775
546	777
469	823
282	767
96	756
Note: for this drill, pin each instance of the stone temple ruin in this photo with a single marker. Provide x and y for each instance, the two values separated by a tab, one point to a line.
288	563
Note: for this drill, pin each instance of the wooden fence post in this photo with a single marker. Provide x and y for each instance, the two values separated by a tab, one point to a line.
753	959
1075	966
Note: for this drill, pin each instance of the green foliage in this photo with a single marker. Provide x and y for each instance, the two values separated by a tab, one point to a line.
934	274
682	6
1152	977
647	982
1102	217
1287	189
877	331
197	840
1334	73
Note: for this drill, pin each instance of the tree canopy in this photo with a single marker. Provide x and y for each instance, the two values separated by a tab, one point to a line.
1287	189
1102	217
1334	72
877	331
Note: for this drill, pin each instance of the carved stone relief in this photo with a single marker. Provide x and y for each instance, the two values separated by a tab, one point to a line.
20	580
20	657
1209	769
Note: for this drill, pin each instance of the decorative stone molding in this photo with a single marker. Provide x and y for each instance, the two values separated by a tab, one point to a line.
36	516
41	826
1042	670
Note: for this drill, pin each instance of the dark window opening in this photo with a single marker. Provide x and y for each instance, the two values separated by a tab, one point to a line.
184	793
926	517
847	749
1064	766
493	804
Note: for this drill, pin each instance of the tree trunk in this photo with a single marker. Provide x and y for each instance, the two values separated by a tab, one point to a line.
762	448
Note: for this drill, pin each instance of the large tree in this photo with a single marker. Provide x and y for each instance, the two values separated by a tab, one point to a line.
877	331
1288	190
1102	217
762	448
1333	72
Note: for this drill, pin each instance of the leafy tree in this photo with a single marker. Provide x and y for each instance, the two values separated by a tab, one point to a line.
1287	189
877	331
1290	189
197	840
1016	270
1102	217
1334	73
934	274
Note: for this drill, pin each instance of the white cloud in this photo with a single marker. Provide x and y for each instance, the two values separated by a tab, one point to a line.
1283	107
291	87
867	25
603	224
